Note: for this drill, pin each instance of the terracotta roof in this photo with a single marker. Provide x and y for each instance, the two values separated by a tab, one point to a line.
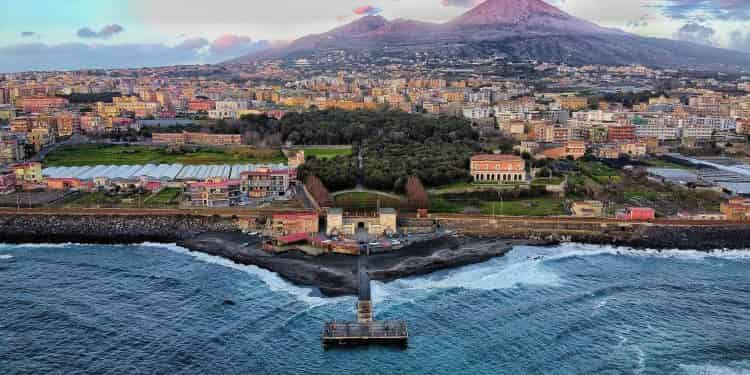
495	157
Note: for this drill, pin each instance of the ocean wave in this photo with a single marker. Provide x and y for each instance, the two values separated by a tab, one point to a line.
5	256
273	281
567	250
714	370
39	245
499	273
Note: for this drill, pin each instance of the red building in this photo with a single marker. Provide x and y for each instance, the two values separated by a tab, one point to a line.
41	104
7	182
620	133
199	104
638	214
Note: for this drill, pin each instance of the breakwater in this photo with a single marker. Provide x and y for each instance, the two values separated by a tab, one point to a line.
663	234
109	229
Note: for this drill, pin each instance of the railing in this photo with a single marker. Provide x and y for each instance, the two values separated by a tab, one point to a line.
379	329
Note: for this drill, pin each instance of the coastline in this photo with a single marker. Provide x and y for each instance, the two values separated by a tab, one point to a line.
334	274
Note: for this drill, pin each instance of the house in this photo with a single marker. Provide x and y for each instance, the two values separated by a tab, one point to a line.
64	184
572	149
589	208
215	192
265	182
283	224
7	182
29	173
736	209
637	214
497	169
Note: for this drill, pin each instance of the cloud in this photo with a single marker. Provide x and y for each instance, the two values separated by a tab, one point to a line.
696	33
460	3
719	9
192	43
105	33
71	56
229	42
367	10
739	40
27	34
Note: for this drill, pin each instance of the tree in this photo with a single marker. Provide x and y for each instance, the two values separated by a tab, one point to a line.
318	191
416	193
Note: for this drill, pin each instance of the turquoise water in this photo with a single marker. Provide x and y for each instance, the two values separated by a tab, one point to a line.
579	309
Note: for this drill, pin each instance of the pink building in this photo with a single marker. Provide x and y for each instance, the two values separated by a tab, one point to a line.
43	104
7	182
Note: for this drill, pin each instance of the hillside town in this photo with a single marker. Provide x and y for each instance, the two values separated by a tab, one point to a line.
679	128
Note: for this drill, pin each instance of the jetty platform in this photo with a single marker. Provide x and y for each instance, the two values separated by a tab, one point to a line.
364	331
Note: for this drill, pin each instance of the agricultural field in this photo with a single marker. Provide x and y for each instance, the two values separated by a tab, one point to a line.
538	206
168	197
327	152
81	155
367	200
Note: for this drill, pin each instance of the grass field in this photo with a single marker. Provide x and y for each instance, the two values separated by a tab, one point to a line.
543	206
326	152
166	197
98	199
364	200
547	181
81	155
527	207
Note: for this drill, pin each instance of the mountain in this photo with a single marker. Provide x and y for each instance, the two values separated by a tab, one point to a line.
520	29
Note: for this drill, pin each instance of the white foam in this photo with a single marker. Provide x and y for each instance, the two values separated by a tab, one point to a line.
714	370
39	245
5	256
274	282
566	250
499	273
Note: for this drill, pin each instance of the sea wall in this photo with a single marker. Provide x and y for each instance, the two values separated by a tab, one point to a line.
109	228
641	235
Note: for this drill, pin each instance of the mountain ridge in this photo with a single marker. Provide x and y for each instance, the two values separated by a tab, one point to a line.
521	29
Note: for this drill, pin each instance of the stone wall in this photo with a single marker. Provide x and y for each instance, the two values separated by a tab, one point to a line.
643	235
108	228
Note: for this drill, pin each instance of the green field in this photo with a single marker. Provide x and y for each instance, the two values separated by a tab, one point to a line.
166	197
326	152
99	199
543	206
82	155
365	200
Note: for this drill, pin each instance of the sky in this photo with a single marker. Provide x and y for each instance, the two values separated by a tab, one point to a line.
76	34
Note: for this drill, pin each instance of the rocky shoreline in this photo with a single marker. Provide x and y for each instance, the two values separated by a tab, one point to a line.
335	274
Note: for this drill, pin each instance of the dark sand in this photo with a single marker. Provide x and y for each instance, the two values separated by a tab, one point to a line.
335	274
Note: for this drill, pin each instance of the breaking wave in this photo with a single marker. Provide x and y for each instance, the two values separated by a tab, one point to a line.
273	281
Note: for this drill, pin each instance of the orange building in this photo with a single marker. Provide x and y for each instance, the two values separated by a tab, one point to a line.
736	209
197	138
283	224
574	103
43	104
492	168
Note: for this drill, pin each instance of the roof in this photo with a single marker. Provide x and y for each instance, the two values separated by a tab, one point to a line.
496	157
292	238
296	215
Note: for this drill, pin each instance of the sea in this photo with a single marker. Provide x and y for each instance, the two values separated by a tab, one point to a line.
569	309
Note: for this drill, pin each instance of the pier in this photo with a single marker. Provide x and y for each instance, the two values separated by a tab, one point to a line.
365	331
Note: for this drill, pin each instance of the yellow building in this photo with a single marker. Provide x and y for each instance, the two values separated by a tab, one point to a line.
30	173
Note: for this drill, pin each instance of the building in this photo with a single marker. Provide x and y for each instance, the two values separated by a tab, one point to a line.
201	105
43	104
587	209
214	192
574	103
571	149
296	159
633	149
11	149
382	222
7	182
197	138
637	213
29	173
492	168
283	224
265	182
620	133
736	209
